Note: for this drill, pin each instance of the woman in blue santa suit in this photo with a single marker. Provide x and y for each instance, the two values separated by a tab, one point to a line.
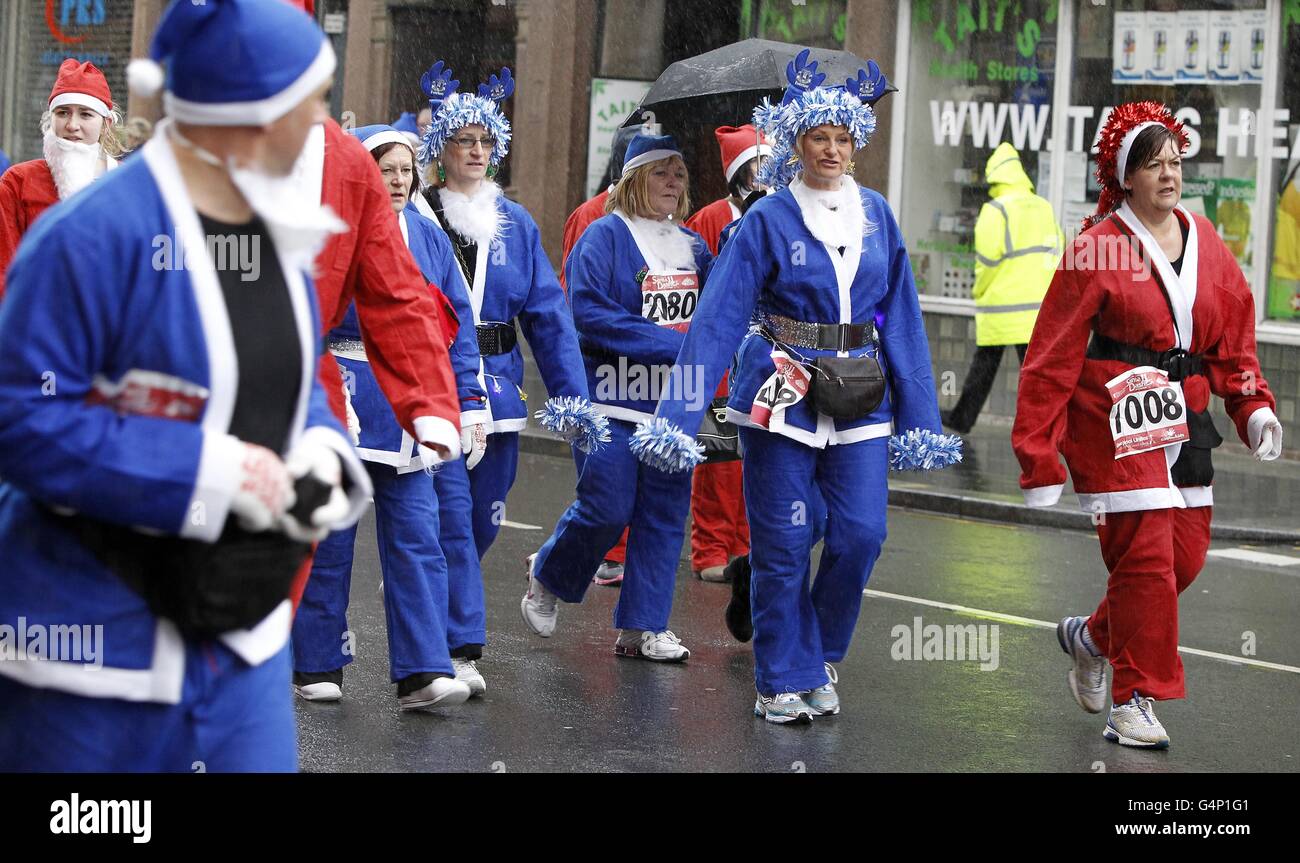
820	269
407	509
164	487
635	280
511	286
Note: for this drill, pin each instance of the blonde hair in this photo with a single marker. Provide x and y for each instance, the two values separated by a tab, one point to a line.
632	192
109	138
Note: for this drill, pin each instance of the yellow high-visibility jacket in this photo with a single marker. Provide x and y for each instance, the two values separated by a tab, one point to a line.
1017	247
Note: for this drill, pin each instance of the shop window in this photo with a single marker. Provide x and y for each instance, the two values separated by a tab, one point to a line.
1283	296
979	72
1206	61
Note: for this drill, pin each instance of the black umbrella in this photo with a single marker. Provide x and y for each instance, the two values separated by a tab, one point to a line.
734	78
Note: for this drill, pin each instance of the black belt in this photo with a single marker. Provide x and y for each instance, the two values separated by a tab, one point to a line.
1176	361
496	338
826	337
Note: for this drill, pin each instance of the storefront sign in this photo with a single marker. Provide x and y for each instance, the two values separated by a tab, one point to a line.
612	100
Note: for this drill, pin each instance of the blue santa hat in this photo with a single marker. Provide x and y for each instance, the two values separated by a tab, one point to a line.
233	62
453	111
374	137
644	149
807	105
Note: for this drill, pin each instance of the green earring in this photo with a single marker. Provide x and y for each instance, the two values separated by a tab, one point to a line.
442	173
491	171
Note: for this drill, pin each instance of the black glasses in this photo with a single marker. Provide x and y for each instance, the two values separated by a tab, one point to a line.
467	143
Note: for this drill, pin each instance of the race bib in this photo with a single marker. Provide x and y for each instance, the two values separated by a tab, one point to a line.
669	299
784	387
1147	411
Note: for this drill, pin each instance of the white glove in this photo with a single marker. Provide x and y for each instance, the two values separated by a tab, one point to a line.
354	422
265	488
1269	445
321	463
429	458
473	442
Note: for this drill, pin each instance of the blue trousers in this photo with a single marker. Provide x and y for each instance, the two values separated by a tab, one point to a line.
232	718
798	626
616	491
466	616
490	483
415	584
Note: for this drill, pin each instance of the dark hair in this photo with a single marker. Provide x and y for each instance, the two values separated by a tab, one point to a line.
1148	143
741	182
383	149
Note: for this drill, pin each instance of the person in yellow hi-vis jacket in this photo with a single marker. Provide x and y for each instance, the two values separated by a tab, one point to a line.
1017	246
1284	287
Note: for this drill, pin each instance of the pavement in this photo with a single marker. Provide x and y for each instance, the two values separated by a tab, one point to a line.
568	704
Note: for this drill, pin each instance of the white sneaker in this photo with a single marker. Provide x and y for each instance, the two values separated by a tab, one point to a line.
824	701
441	690
467	673
1135	724
538	605
1087	679
654	646
783	707
319	692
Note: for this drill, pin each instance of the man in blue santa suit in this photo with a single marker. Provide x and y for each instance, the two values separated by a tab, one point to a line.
820	271
408	513
168	453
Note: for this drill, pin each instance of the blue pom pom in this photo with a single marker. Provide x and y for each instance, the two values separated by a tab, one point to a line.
662	445
920	449
575	420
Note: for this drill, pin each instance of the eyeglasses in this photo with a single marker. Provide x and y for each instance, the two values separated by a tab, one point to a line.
467	143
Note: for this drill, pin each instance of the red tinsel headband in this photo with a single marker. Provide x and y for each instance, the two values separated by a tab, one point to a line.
1122	121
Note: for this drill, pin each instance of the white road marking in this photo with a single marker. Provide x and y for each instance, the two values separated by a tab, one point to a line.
1252	556
519	525
1046	624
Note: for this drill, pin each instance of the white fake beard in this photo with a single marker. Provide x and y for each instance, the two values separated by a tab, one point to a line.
474	218
837	227
668	242
72	165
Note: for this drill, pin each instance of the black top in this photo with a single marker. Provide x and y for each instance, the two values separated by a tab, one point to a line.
1178	264
466	249
265	332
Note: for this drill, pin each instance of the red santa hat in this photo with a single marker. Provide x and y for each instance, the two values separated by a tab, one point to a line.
1122	128
81	84
739	144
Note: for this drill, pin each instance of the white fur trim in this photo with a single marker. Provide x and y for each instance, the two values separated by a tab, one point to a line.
387	136
261	111
1044	495
647	157
745	156
1133	500
1197	496
265	639
666	243
89	101
145	77
839	227
475	217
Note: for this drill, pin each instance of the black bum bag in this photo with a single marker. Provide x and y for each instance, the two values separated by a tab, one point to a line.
847	388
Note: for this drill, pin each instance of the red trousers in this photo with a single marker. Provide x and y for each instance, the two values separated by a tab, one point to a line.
1152	556
719	529
618	553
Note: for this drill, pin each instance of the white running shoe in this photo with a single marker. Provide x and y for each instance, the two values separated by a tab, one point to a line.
654	646
439	691
1135	724
1087	679
319	692
538	604
467	673
824	700
784	707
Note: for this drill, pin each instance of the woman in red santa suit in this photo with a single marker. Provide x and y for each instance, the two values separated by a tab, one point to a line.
1148	314
80	144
